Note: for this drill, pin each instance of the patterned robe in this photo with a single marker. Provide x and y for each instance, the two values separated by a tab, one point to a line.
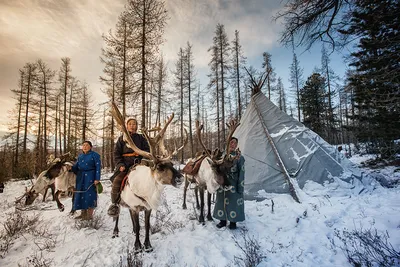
87	169
229	205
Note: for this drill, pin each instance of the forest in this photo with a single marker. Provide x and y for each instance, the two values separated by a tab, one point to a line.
54	113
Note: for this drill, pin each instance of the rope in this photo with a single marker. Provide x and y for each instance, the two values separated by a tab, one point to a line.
85	190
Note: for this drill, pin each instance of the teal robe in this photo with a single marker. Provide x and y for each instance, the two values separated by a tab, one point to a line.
229	205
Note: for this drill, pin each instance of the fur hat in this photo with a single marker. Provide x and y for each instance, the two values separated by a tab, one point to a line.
130	119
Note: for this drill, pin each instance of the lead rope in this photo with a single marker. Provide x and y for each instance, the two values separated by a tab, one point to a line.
85	190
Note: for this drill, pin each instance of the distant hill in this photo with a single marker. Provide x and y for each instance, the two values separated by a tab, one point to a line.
2	134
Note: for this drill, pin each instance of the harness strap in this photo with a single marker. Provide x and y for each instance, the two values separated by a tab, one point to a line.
134	154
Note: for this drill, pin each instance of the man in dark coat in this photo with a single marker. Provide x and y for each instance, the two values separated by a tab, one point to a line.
125	158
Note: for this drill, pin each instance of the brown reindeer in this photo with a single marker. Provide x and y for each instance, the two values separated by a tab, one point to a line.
56	175
145	184
41	186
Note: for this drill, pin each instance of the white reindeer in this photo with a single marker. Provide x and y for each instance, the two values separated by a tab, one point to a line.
213	170
145	184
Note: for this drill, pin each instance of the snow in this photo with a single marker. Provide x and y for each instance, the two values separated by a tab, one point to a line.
288	233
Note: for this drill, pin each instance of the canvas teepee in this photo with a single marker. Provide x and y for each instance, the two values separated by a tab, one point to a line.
281	151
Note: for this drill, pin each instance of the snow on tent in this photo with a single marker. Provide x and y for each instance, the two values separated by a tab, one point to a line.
301	155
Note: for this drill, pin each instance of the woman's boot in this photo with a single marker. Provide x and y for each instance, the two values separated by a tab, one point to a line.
82	216
89	214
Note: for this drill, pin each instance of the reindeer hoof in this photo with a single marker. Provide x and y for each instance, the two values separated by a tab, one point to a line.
184	207
148	249
61	208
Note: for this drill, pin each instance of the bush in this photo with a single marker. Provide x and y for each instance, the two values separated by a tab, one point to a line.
15	225
367	248
132	259
251	251
96	223
18	223
37	260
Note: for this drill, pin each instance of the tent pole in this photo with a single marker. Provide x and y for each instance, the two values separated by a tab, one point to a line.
280	162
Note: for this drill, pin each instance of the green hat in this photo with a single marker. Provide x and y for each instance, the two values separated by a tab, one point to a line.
99	188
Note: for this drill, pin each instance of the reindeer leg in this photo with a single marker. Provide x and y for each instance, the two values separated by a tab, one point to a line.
147	245
138	245
45	193
184	193
201	216
116	230
73	198
196	192
133	221
53	189
209	217
59	204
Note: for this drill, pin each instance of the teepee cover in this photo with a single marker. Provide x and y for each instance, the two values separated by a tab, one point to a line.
304	154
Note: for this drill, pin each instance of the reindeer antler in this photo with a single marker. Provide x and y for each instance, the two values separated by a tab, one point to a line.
198	132
180	148
232	125
153	142
120	122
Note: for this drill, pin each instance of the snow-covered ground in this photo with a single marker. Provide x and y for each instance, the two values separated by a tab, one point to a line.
286	233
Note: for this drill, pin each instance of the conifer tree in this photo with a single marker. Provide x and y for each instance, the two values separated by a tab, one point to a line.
237	62
376	80
313	99
148	19
269	70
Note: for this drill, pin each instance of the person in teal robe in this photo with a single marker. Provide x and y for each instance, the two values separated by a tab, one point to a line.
229	204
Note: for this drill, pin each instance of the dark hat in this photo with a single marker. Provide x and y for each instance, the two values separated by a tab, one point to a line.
234	138
88	142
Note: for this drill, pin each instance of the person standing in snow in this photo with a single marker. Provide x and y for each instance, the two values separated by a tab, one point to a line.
124	158
229	204
87	170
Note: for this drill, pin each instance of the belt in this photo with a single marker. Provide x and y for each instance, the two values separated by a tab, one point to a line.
134	154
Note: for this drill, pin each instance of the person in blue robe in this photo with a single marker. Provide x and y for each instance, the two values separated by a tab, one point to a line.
87	170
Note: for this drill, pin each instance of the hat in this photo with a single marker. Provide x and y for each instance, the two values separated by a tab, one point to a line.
99	188
88	142
130	119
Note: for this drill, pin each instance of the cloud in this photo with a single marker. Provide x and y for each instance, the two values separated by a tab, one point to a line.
195	21
52	29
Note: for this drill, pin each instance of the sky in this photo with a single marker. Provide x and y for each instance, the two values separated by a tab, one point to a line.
50	30
290	234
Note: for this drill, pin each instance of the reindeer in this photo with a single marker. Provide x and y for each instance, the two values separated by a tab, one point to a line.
58	176
213	169
65	181
41	186
145	184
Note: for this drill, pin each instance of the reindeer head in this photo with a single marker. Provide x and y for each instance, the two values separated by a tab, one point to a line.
220	165
161	165
31	195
